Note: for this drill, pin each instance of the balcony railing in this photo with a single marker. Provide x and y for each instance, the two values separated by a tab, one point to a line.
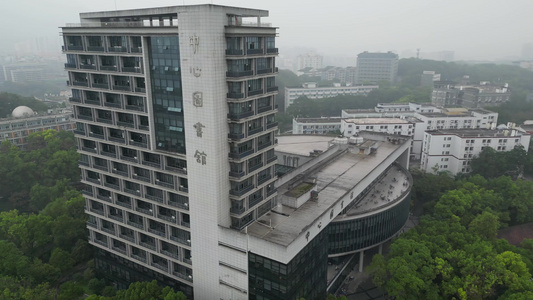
81	83
147	245
135	107
74	99
116	139
135	224
242	115
264	108
127	237
272	50
234	52
116	49
126	124
264	71
239	73
108	68
133	192
255	130
241	191
257	166
254	51
109	154
272	125
241	155
117	218
95	48
87	67
113	104
156	232
237	210
70	66
263	179
126	88
264	145
101	85
171	219
75	47
139	258
234	95
237	174
132	69
272	89
256	92
124	204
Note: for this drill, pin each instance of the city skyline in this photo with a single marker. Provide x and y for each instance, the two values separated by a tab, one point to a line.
344	29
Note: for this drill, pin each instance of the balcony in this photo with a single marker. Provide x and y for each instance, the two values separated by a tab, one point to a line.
112	185
74	99
272	50
241	155
185	224
242	115
180	170
105	198
237	210
75	47
70	66
101	85
129	158
170	254
127	237
117	139
264	145
96	135
139	144
117	218
142	178
95	48
93	180
171	219
234	95
165	184
254	51
133	192
80	83
80	132
263	179
157	198
120	250
132	69
140	90
237	174
234	74
234	52
155	164
156	232
253	168
147	245
271	159
99	242
97	211
139	258
264	71
145	211
177	204
183	276
255	130
92	101
88	149
113	104
87	67
101	167
263	109
136	49
136	225
92	225
135	107
272	89
124	204
116	49
256	92
104	120
235	136
272	125
85	117
109	230
108	68
126	124
126	88
109	154
272	191
241	191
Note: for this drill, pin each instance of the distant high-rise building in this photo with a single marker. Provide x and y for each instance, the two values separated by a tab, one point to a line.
428	78
310	60
373	67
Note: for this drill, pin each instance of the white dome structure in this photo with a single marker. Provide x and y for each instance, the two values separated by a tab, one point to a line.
22	112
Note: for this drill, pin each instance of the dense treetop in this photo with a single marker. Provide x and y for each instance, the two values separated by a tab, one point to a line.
8	102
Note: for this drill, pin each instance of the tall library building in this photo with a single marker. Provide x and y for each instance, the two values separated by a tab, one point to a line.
185	179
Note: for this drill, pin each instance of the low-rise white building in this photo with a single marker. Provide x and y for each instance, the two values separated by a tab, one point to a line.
405	126
453	149
312	91
316	125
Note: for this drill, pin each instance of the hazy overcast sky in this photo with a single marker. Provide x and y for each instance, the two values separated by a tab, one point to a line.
482	29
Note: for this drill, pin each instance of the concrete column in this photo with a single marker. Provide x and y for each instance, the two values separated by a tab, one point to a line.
380	249
361	261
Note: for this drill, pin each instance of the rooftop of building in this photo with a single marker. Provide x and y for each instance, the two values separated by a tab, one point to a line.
367	54
384	120
171	10
475	133
318	120
334	179
302	144
351	87
355	111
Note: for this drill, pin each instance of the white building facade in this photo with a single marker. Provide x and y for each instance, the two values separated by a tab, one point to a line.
314	92
452	150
